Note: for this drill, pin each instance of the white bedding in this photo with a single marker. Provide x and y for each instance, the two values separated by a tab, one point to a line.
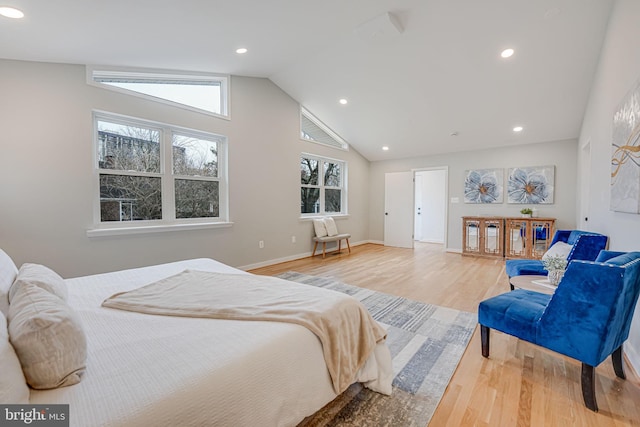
147	370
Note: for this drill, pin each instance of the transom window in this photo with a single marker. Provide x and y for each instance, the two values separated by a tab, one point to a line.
195	91
322	185
158	173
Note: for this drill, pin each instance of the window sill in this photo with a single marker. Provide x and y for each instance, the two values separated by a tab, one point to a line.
312	217
146	229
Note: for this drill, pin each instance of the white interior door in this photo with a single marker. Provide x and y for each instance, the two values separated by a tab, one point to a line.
398	209
434	196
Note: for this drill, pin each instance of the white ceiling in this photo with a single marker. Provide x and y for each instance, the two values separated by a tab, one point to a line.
410	90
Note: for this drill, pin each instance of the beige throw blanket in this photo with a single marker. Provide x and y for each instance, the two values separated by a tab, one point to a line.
345	328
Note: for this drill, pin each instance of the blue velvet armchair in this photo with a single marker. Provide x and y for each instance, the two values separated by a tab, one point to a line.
585	246
587	318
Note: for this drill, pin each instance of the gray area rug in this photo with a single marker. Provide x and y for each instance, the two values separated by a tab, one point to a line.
426	343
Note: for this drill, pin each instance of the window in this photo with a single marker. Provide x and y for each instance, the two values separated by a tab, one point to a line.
158	173
195	91
322	185
312	129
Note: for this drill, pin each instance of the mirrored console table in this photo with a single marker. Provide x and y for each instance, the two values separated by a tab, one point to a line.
508	237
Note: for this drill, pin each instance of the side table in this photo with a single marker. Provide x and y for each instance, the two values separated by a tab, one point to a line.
532	283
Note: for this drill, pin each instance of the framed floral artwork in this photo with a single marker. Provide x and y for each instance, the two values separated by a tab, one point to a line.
483	186
531	185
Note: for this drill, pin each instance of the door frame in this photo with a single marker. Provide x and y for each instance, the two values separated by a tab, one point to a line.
584	177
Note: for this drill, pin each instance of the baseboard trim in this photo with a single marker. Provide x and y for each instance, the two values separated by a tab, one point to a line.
296	256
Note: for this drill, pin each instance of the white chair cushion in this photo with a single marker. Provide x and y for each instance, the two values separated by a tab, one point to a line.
8	272
47	337
13	386
560	249
319	228
330	224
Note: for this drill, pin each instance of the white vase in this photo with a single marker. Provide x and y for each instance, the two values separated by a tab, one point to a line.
555	276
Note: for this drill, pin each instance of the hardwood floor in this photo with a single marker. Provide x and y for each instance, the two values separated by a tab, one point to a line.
519	384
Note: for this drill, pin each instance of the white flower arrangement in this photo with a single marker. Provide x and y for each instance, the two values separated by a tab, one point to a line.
554	262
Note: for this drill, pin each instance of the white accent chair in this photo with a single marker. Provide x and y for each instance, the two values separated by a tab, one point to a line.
326	231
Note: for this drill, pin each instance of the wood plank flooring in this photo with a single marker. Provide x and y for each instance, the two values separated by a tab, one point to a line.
519	384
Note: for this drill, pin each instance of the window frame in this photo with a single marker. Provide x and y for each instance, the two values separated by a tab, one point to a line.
158	75
168	222
322	187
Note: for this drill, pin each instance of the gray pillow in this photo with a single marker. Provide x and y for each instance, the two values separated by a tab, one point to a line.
42	277
47	337
13	386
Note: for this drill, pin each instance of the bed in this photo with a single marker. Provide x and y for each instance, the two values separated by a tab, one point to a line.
157	370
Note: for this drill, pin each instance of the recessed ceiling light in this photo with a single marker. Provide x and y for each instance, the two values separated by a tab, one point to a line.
242	50
343	101
385	148
11	12
518	129
507	53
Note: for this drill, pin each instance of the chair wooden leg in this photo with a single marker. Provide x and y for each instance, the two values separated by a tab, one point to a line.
484	337
618	364
339	245
324	249
314	249
588	380
348	245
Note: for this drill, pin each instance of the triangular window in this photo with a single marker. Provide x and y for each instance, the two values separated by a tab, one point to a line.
312	129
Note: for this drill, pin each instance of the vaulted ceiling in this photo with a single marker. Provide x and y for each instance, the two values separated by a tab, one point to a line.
420	76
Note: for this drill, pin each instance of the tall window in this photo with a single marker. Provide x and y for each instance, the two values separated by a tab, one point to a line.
155	172
196	91
322	185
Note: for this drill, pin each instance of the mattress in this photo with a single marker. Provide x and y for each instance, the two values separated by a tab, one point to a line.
147	370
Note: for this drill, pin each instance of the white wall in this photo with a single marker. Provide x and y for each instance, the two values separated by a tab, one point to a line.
618	72
46	195
562	154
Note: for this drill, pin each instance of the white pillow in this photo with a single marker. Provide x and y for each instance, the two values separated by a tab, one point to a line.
41	276
560	249
47	337
319	228
13	386
332	230
8	272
